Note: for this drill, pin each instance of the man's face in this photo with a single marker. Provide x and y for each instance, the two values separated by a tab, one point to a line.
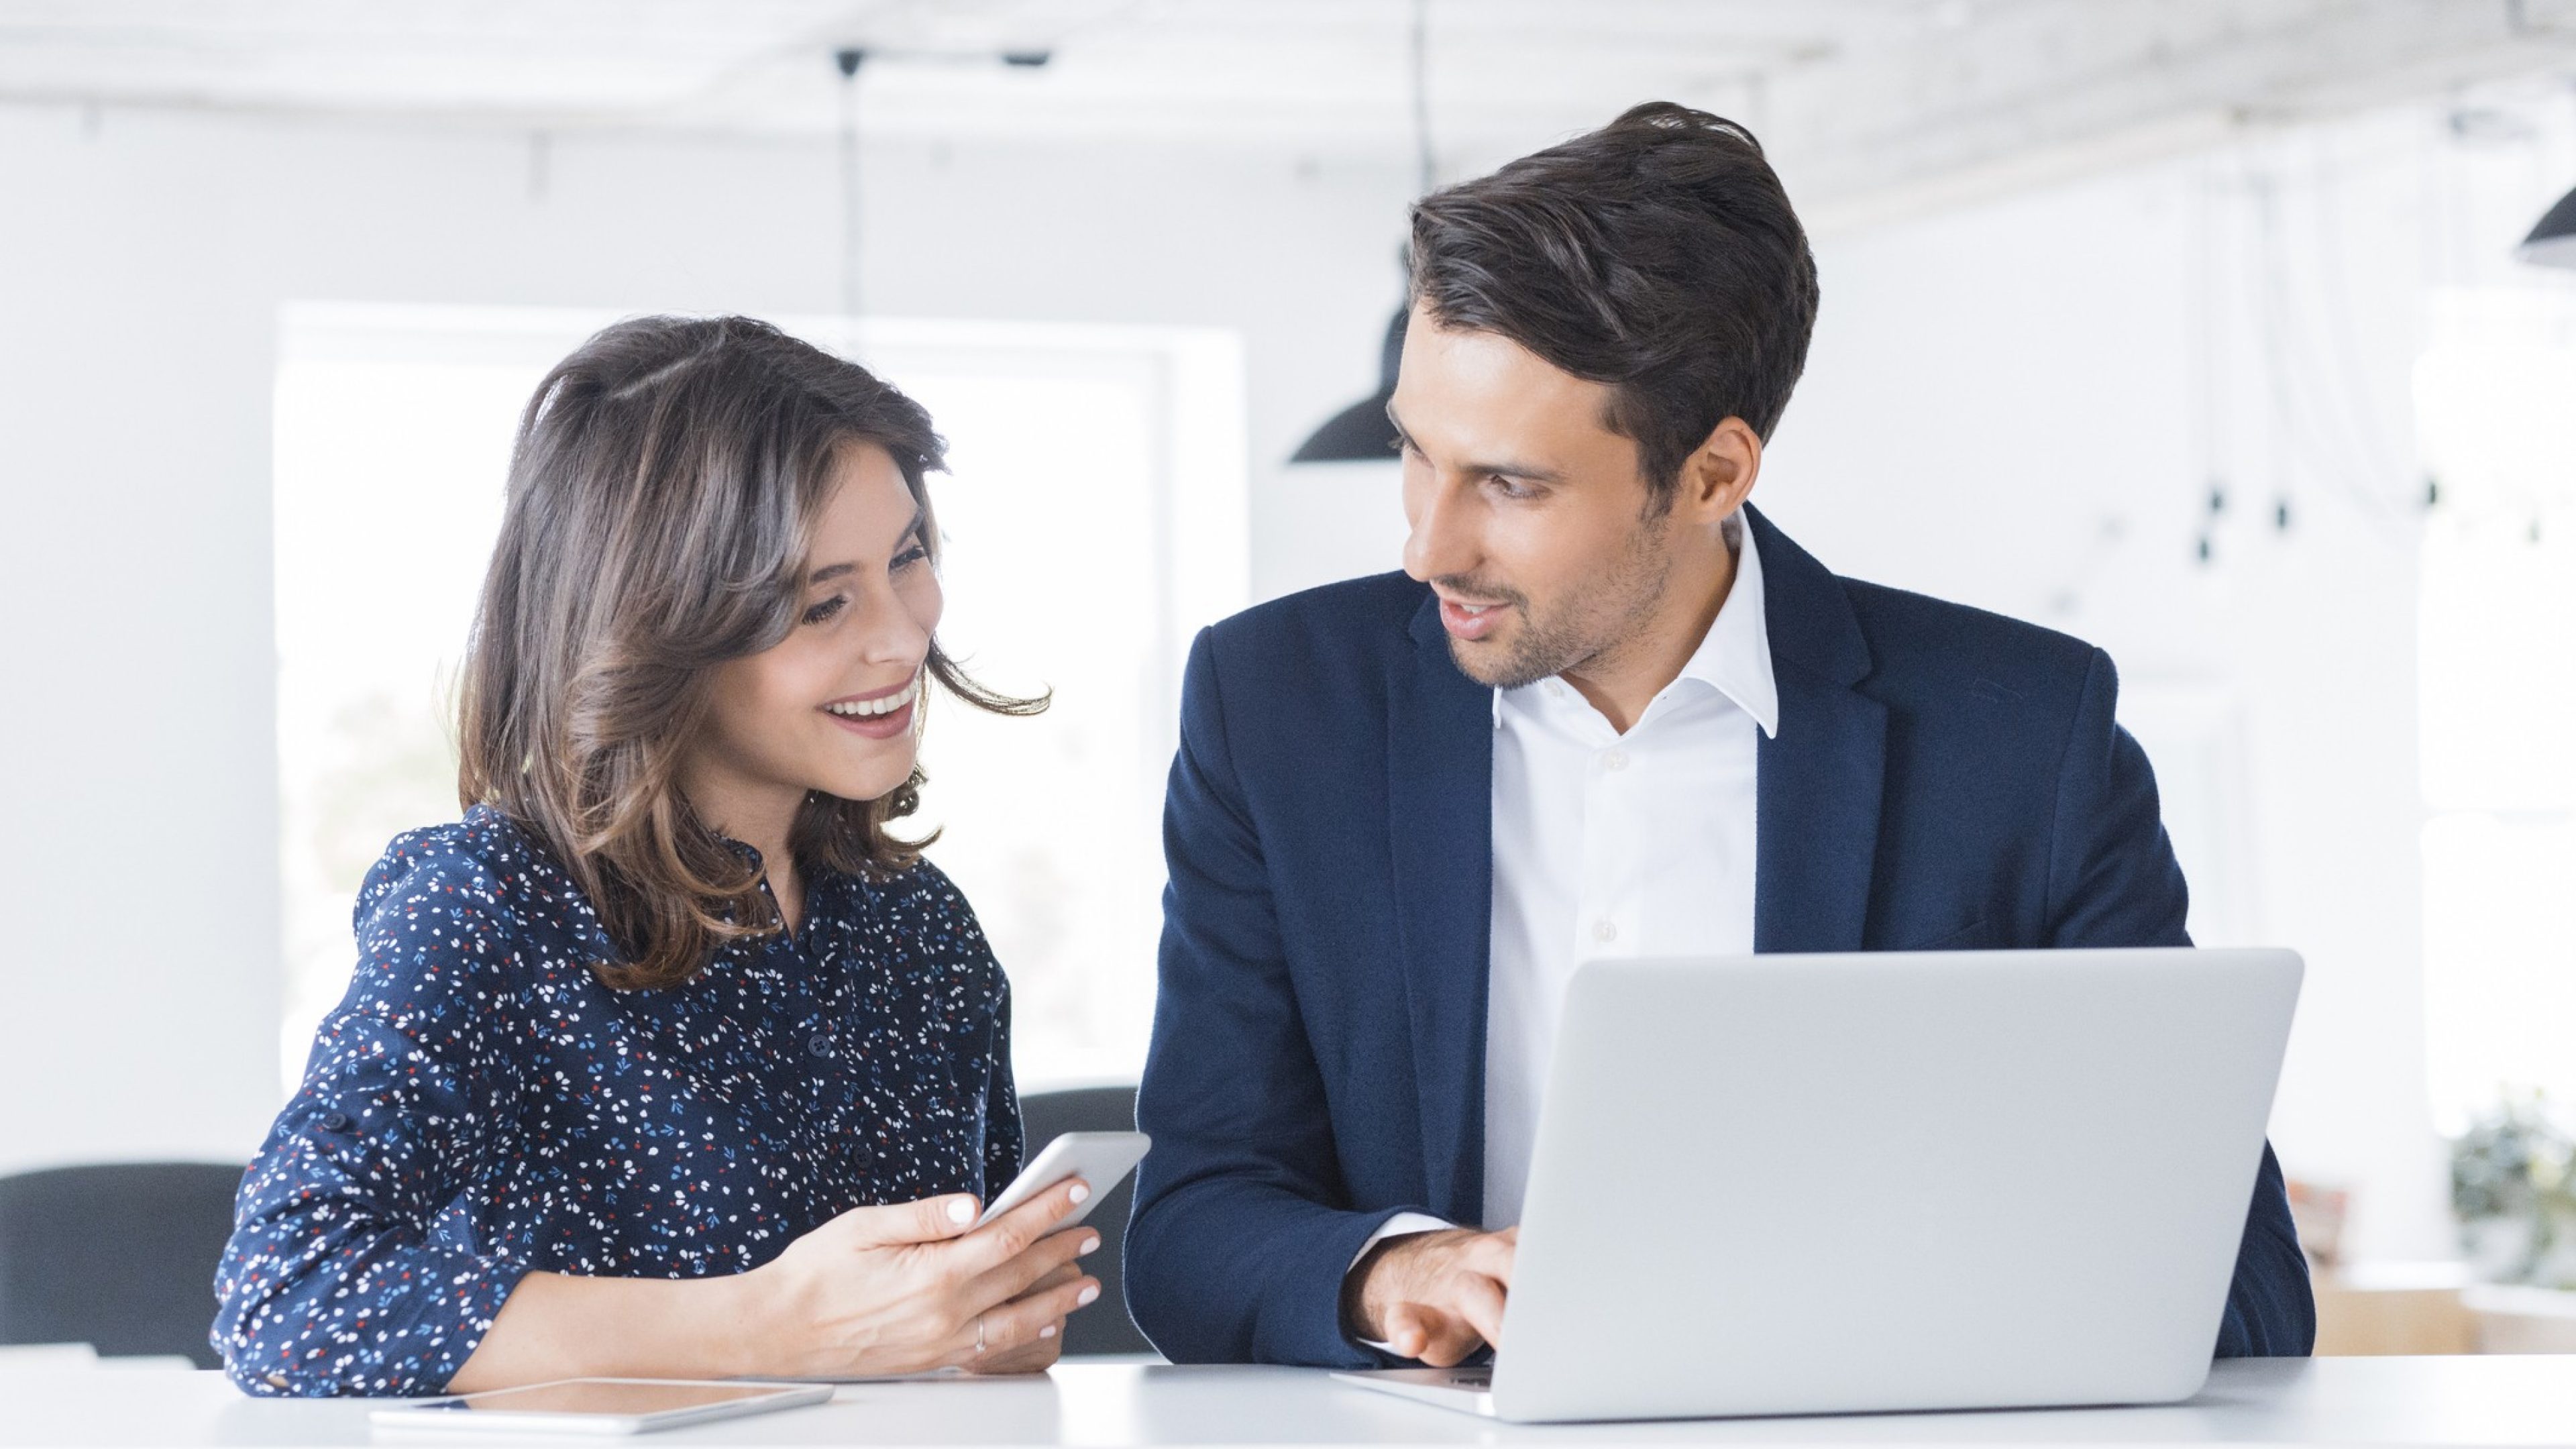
1530	518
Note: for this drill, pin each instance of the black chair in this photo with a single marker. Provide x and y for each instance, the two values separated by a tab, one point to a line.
1104	1327
119	1256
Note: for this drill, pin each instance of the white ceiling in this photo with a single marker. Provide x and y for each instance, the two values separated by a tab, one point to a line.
1867	104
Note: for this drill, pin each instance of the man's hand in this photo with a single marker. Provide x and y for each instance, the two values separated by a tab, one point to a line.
1437	1297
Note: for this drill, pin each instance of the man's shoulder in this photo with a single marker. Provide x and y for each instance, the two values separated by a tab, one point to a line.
1938	649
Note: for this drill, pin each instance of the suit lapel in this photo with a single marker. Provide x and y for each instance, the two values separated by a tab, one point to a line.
1440	765
1819	780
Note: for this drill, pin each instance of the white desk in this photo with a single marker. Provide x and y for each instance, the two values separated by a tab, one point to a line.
2471	1400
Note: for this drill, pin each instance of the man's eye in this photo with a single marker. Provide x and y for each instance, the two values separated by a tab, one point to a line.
826	609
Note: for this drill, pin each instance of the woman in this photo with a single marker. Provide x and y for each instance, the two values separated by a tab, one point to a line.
670	1059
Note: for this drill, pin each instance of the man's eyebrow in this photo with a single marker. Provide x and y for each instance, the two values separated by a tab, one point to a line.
834	571
1531	471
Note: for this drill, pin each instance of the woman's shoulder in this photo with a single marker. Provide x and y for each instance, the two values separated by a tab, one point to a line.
479	882
485	858
460	919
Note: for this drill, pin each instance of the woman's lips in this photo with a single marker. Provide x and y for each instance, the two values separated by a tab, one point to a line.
879	716
877	726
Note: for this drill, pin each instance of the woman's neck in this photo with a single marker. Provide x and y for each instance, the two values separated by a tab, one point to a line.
763	818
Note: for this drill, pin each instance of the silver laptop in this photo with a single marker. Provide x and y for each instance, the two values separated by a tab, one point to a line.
1829	1184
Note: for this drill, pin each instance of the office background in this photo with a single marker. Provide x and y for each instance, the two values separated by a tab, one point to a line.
2194	329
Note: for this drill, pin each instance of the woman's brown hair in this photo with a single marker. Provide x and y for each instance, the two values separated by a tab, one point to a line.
662	493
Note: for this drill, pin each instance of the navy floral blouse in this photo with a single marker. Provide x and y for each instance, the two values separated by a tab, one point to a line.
480	1107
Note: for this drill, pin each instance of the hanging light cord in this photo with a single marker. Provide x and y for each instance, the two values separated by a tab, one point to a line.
848	61
1422	97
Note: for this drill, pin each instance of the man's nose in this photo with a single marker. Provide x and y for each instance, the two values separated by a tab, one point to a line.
1440	541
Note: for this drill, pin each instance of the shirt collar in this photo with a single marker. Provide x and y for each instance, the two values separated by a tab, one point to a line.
1734	656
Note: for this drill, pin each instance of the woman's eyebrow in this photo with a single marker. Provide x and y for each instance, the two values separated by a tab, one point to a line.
834	571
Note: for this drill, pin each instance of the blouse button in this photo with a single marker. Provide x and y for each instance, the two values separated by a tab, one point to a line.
334	1122
820	1044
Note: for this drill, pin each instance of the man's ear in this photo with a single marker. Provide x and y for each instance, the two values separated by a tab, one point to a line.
1719	474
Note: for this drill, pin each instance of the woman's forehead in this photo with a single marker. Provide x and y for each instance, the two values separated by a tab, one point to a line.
868	508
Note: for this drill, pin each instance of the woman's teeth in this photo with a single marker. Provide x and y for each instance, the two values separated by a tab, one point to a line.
885	704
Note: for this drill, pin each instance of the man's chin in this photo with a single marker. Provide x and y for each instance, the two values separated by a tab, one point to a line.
1492	663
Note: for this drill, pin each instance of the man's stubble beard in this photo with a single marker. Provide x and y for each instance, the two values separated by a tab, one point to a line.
1583	630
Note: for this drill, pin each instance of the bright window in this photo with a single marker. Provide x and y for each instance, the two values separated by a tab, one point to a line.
1094	517
2497	685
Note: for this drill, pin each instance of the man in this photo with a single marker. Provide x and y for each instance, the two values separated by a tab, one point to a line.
1608	709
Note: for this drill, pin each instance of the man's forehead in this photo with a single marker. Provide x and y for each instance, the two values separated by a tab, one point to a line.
1477	393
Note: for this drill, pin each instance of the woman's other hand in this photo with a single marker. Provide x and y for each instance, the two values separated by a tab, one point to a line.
902	1289
1041	1354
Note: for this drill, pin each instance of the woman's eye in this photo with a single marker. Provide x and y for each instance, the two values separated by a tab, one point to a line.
909	557
826	609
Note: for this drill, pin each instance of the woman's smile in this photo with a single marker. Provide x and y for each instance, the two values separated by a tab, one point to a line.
880	716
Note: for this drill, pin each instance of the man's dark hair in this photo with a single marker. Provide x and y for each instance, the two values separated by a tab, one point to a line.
1658	255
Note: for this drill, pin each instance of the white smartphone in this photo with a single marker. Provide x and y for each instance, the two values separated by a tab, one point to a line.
1098	1158
596	1406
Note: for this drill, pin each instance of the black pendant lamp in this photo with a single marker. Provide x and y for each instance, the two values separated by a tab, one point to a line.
2553	242
1361	433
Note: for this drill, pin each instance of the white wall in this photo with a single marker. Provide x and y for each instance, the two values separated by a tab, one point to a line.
141	267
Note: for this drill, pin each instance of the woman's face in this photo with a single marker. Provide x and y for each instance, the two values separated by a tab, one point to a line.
833	706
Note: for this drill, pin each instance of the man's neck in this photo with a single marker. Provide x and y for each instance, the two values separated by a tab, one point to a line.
1620	682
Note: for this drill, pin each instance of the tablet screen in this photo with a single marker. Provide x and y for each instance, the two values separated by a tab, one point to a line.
622	1397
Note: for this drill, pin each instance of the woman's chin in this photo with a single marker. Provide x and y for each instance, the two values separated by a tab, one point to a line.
871	784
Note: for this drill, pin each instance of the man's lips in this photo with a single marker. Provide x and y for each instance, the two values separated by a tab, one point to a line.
1470	621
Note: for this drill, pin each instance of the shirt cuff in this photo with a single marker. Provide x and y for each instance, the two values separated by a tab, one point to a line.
1402	1225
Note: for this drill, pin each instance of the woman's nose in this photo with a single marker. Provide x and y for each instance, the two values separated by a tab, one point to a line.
896	632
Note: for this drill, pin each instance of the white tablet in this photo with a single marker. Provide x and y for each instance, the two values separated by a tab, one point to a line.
597	1406
1098	1158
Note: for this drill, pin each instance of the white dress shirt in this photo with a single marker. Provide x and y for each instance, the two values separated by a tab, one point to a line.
1613	845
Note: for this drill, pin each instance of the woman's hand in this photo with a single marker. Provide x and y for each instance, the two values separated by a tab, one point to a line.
890	1290
1041	1355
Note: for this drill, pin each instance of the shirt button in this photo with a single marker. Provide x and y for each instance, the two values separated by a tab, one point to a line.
820	1044
334	1122
1615	760
1554	689
1605	930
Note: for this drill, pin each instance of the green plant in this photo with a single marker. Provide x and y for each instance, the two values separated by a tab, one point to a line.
2513	1188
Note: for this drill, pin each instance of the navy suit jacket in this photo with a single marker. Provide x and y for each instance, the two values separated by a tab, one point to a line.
1942	778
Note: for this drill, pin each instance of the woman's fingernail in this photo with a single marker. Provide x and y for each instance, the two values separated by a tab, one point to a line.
1081	1191
1088	1294
1091	1245
1047	1332
961	1210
